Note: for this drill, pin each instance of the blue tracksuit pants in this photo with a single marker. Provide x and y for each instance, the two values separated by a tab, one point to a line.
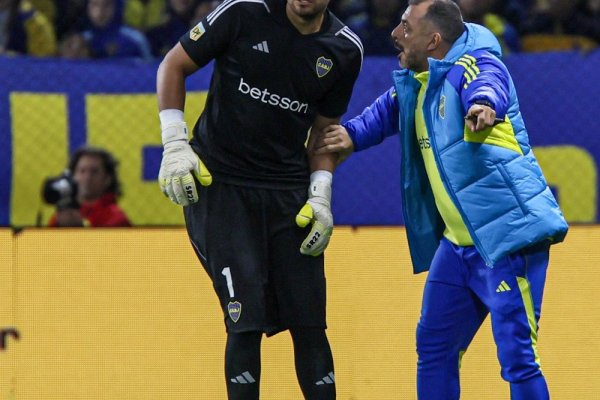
459	293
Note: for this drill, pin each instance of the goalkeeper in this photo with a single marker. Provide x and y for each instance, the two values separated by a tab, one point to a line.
281	69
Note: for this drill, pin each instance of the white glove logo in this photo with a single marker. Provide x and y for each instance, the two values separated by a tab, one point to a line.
313	241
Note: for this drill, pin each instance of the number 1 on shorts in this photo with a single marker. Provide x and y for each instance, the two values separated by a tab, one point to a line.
227	272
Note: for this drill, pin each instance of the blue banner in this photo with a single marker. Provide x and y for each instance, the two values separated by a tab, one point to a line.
49	107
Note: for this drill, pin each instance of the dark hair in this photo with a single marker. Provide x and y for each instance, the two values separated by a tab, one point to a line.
109	162
445	15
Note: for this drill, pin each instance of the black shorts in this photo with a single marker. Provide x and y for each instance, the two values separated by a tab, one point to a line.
249	244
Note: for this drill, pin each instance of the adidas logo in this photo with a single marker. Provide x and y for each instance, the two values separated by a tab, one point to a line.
262	46
243	378
329	379
502	287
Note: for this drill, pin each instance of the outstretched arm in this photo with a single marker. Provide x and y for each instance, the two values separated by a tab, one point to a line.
335	139
371	127
378	121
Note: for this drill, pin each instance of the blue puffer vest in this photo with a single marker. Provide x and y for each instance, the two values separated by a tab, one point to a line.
492	176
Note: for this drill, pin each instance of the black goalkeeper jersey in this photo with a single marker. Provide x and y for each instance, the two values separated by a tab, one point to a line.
269	83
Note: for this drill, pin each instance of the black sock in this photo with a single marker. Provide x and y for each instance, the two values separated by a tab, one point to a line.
242	365
314	363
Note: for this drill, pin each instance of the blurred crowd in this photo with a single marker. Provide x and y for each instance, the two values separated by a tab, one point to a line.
520	25
147	29
78	29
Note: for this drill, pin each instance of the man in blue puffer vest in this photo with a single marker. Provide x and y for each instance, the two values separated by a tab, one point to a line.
479	214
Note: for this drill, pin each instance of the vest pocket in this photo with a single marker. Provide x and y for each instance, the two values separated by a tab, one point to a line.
500	135
511	186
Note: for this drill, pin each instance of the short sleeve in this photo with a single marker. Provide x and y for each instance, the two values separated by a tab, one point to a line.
212	36
335	102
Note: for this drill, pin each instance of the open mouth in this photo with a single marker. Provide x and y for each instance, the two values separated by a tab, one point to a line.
398	47
400	51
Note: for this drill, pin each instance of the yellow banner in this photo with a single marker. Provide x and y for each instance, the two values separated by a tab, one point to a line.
130	314
126	124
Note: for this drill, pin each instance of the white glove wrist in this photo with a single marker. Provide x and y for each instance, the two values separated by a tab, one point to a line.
170	116
321	175
173	126
173	132
320	185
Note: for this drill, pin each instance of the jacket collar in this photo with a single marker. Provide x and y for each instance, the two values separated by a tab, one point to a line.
474	37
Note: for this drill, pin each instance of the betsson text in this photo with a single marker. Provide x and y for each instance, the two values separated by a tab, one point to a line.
273	99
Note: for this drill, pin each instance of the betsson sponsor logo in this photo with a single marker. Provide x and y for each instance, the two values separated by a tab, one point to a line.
272	99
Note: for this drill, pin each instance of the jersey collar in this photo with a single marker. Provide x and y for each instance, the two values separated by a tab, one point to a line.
278	12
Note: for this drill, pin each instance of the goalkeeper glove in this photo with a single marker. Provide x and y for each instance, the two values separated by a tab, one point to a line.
317	211
178	163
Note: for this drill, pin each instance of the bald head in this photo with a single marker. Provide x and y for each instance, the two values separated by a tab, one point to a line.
428	29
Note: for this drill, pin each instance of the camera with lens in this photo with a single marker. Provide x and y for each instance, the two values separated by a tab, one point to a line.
61	191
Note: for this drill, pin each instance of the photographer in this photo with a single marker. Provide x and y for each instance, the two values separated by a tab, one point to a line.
87	196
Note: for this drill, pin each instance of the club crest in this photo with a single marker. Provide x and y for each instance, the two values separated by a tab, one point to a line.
234	308
323	66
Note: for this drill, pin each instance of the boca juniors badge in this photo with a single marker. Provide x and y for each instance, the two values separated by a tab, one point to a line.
323	66
234	308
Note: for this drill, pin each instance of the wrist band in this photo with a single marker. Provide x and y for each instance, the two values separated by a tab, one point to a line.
170	116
